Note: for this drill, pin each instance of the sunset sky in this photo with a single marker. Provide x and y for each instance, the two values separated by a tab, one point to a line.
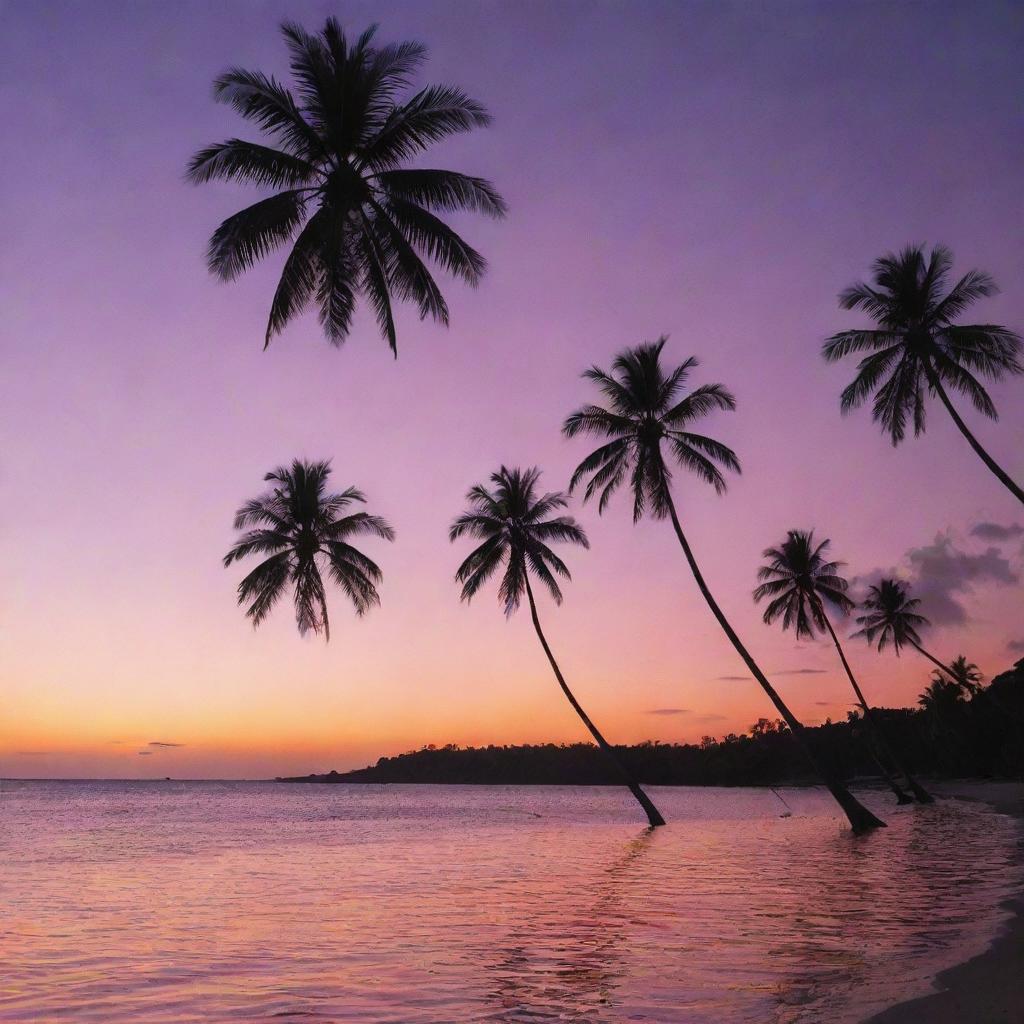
714	172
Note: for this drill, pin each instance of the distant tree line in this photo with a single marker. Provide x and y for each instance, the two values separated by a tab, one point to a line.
957	735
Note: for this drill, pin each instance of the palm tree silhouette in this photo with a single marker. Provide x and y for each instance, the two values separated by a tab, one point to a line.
890	617
359	222
967	675
304	531
516	528
647	412
917	348
798	581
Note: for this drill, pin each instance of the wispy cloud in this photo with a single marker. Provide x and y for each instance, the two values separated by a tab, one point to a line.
158	743
669	711
942	573
997	532
145	753
945	573
1017	646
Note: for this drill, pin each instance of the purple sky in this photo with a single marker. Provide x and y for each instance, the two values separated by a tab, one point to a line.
710	171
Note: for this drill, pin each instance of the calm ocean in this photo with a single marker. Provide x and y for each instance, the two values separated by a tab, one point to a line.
207	901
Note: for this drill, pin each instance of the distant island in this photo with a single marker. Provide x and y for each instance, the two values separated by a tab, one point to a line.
951	735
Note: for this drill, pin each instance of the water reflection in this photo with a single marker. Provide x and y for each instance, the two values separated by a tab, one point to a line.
577	980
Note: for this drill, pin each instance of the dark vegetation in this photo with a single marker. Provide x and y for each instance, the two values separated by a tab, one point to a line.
954	735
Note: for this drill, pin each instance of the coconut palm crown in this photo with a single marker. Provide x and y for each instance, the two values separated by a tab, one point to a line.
646	410
890	616
359	221
516	527
918	349
798	578
305	531
917	346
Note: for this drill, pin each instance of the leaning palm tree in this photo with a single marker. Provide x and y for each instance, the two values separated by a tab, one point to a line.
305	531
799	581
917	349
890	617
515	527
647	414
359	220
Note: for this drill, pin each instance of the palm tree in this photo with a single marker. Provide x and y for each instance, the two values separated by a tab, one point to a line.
305	531
358	219
917	348
943	703
648	412
890	617
515	527
967	675
800	581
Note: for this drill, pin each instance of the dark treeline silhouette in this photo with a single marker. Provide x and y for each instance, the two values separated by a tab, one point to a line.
955	736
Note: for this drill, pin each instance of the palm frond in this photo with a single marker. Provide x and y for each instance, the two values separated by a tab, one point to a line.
238	160
442	190
246	237
431	115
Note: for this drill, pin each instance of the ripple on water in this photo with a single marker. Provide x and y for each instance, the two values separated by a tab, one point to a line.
405	904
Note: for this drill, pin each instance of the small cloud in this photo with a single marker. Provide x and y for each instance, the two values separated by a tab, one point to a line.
940	574
157	743
1017	646
996	531
945	573
145	753
823	703
669	711
733	679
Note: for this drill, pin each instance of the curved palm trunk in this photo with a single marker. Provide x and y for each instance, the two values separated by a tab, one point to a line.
869	716
935	661
653	814
1003	477
860	818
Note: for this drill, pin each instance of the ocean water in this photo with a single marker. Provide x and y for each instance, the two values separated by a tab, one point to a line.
170	901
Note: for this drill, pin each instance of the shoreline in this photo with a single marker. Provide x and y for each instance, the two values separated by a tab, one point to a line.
989	987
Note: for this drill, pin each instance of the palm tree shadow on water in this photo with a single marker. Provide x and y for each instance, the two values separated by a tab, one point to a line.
568	966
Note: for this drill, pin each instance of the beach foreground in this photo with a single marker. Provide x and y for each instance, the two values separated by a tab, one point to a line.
989	988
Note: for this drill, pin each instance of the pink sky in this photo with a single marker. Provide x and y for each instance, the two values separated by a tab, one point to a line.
712	172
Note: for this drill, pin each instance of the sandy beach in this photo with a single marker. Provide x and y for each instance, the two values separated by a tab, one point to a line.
988	989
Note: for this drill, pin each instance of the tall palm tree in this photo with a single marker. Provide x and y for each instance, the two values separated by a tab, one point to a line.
359	220
798	581
917	349
890	617
515	527
648	413
305	531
